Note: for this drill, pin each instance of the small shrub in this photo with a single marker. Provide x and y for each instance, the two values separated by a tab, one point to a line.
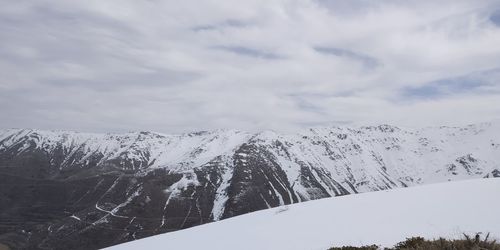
410	243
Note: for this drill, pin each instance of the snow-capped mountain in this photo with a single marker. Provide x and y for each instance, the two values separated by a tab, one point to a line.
431	211
80	190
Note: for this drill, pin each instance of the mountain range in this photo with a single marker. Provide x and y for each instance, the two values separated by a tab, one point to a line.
71	190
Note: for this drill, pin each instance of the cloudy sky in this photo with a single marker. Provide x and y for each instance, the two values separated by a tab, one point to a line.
174	66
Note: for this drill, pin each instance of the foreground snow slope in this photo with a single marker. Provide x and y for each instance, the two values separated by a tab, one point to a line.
384	218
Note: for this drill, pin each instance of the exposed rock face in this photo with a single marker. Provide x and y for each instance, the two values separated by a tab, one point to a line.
68	190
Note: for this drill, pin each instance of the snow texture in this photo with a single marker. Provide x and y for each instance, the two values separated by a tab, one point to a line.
383	218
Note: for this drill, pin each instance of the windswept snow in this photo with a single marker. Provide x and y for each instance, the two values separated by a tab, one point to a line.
383	218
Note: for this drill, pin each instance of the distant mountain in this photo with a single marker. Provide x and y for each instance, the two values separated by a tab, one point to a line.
70	190
381	218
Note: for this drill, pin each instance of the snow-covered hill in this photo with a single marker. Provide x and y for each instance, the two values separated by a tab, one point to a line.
121	187
382	218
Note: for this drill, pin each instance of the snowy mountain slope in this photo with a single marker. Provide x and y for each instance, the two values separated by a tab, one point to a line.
396	153
131	151
382	218
123	187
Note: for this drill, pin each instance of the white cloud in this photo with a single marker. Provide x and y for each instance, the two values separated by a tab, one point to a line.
176	66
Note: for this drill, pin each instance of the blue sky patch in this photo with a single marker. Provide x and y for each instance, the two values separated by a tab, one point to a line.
366	60
495	17
444	87
249	52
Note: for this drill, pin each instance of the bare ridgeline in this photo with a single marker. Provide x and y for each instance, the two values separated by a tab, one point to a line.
69	190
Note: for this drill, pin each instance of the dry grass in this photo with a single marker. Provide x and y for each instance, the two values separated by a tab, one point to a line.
4	247
419	243
372	247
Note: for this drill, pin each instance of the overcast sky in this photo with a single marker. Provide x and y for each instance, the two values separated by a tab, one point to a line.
175	66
